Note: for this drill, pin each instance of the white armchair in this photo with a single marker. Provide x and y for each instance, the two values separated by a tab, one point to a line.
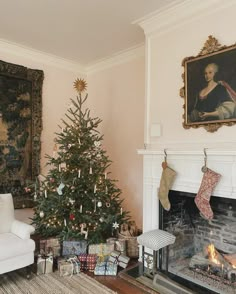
16	247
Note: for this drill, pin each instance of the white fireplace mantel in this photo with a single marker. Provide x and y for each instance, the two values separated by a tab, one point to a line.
187	164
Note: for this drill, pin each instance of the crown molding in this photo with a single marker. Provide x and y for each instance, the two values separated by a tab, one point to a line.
40	56
179	13
116	59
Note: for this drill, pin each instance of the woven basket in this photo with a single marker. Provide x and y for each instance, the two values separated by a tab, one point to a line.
132	248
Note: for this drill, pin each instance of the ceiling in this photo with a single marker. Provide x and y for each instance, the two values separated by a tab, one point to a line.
84	31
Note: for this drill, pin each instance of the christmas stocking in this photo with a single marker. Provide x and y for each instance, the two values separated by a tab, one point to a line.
167	179
209	181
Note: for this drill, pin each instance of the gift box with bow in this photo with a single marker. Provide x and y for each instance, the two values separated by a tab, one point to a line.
68	266
44	264
102	250
87	262
118	258
74	247
106	268
50	245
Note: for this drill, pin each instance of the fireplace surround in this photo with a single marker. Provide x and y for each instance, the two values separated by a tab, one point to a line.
199	232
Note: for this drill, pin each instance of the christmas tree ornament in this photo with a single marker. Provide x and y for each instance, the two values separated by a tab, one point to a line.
95	205
101	219
99	204
80	85
83	231
72	217
108	204
60	188
97	143
72	201
209	181
54	153
41	214
167	179
115	225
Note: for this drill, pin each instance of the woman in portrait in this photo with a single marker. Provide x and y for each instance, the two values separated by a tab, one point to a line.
216	101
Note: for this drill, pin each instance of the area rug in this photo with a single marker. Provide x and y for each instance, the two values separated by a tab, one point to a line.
16	283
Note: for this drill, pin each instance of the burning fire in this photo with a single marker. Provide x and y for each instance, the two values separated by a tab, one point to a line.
212	254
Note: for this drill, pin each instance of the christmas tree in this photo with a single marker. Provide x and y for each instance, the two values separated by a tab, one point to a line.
78	199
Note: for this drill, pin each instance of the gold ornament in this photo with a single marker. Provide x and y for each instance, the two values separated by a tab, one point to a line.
80	85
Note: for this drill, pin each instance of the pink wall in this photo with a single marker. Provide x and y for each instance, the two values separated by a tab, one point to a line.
116	95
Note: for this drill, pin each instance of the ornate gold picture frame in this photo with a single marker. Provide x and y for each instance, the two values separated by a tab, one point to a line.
20	129
209	90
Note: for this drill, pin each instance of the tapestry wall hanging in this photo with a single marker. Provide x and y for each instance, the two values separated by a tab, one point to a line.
209	90
20	129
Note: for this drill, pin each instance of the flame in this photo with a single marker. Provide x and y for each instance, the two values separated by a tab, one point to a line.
212	254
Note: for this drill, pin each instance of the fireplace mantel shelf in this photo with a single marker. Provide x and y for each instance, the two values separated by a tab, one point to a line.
187	152
187	164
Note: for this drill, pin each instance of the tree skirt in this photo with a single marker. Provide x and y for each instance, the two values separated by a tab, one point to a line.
16	283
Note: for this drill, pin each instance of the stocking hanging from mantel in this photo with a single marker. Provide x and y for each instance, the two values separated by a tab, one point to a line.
209	180
167	180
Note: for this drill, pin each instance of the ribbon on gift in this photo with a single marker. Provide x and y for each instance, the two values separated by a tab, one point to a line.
116	261
46	258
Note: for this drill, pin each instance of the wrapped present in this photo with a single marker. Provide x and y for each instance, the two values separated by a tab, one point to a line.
44	264
74	247
119	244
68	266
50	245
87	262
106	268
103	250
118	258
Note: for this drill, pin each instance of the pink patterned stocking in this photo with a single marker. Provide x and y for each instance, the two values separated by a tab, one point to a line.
209	181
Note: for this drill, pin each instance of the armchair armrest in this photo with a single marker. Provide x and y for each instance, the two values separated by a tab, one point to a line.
21	229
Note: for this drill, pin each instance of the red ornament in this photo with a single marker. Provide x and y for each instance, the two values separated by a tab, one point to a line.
72	216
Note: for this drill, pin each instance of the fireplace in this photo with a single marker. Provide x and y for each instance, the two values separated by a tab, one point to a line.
204	253
194	233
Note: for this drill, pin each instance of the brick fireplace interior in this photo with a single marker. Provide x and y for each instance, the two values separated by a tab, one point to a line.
191	260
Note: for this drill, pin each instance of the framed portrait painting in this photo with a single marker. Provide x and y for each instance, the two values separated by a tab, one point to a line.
209	90
20	128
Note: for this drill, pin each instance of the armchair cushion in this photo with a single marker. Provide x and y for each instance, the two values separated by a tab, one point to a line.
6	213
22	230
12	246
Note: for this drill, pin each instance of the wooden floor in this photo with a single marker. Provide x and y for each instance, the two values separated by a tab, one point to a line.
119	285
122	286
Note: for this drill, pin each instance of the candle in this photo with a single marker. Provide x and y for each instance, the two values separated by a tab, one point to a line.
79	173
105	176
59	167
65	222
90	170
106	190
121	211
81	208
45	194
95	188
